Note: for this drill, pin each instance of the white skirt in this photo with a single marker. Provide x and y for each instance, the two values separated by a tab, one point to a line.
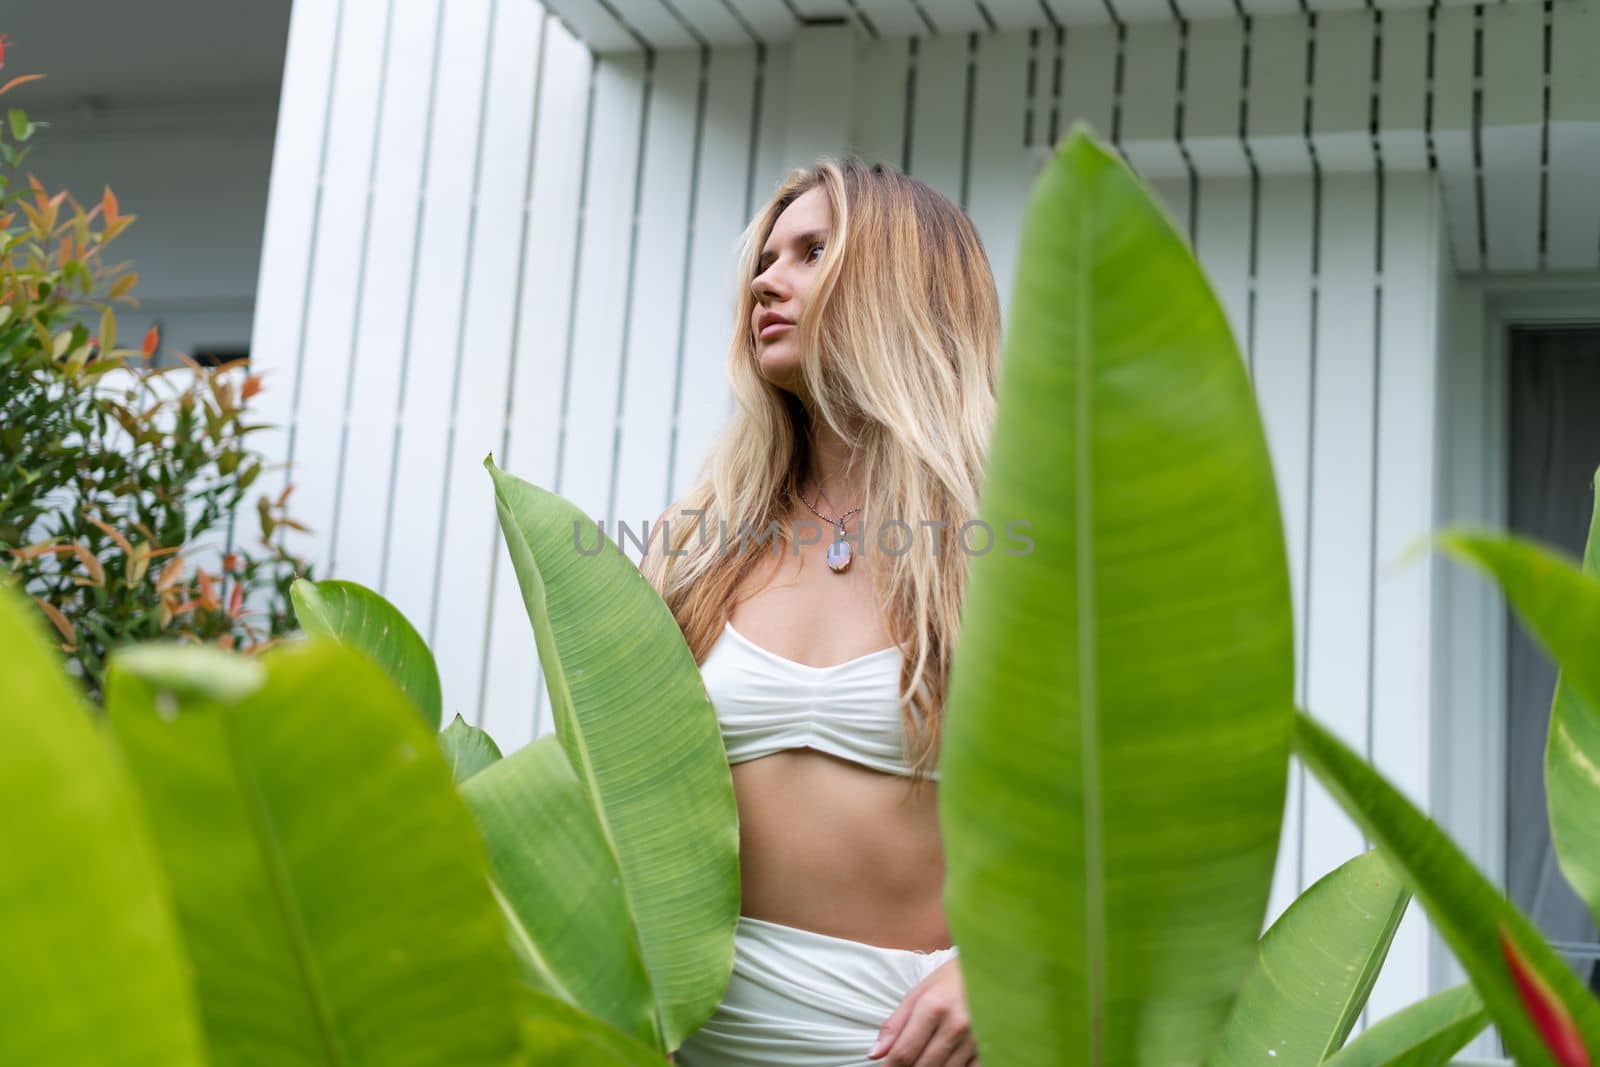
798	998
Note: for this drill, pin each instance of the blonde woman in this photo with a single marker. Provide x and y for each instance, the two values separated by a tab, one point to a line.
816	571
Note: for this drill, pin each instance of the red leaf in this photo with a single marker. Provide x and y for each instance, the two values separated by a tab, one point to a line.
5	39
235	600
152	337
1555	1025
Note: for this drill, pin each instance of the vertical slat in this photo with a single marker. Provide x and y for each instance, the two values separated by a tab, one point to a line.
821	88
1088	81
878	117
1004	171
594	352
1282	374
1150	99
1341	99
1212	94
548	236
770	152
329	333
1225	234
1338	593
480	352
656	314
290	234
1278	75
1402	673
1453	130
1513	118
367	451
938	127
1574	211
416	481
725	180
1402	88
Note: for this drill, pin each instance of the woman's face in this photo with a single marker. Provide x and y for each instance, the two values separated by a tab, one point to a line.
783	281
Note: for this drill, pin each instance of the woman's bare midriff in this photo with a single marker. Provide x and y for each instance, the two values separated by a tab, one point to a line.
826	844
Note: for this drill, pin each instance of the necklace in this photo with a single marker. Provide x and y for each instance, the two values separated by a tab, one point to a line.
839	550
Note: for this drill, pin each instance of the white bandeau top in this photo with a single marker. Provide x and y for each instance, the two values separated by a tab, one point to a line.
766	703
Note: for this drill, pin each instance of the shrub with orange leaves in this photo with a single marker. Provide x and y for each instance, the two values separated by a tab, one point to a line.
120	480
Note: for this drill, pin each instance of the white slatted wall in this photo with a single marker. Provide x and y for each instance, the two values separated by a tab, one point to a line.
482	237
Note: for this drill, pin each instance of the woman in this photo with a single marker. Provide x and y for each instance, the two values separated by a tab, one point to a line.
864	365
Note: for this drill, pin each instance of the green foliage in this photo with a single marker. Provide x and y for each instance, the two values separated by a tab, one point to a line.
1117	733
116	475
1424	1034
355	615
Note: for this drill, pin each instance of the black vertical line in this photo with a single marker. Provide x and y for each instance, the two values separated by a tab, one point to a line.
511	365
464	305
1544	138
572	317
632	269
1255	192
701	98
361	291
1178	122
1311	401
311	250
1032	85
911	105
1116	81
1058	62
411	299
1477	134
966	119
1427	91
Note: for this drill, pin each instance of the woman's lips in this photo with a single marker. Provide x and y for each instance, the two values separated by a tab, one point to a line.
774	328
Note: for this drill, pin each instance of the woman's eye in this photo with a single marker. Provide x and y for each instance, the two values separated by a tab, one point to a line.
813	248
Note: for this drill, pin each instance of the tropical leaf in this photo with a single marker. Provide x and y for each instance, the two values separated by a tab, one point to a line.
559	1035
1424	1034
356	616
94	967
467	749
330	881
1469	913
1316	968
557	880
1117	741
642	740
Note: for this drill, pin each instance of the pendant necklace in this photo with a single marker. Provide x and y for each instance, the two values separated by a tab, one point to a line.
839	550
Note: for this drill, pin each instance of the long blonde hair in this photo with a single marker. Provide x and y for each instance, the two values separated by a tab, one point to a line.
899	341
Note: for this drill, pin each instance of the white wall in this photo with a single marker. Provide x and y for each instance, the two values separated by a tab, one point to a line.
481	238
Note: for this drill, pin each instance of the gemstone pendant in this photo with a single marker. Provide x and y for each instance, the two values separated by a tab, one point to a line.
839	555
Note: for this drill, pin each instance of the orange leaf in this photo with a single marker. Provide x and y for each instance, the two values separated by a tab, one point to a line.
90	563
236	600
53	613
21	79
230	561
208	590
122	542
108	205
152	337
1551	1017
252	386
169	574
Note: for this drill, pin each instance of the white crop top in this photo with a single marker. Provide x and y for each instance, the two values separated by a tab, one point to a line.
766	703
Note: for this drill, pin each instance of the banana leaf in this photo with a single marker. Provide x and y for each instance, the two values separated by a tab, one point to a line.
357	616
94	969
330	882
1470	914
644	748
1117	732
467	749
1424	1034
1316	969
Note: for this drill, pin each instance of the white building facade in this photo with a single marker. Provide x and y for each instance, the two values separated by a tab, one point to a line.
499	227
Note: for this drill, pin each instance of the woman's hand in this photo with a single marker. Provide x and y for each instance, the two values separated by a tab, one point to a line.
931	1027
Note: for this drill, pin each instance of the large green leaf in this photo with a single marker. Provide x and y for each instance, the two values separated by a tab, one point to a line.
1316	968
1466	910
354	615
330	881
557	881
467	749
93	969
632	715
1117	739
559	1035
1572	747
1424	1034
